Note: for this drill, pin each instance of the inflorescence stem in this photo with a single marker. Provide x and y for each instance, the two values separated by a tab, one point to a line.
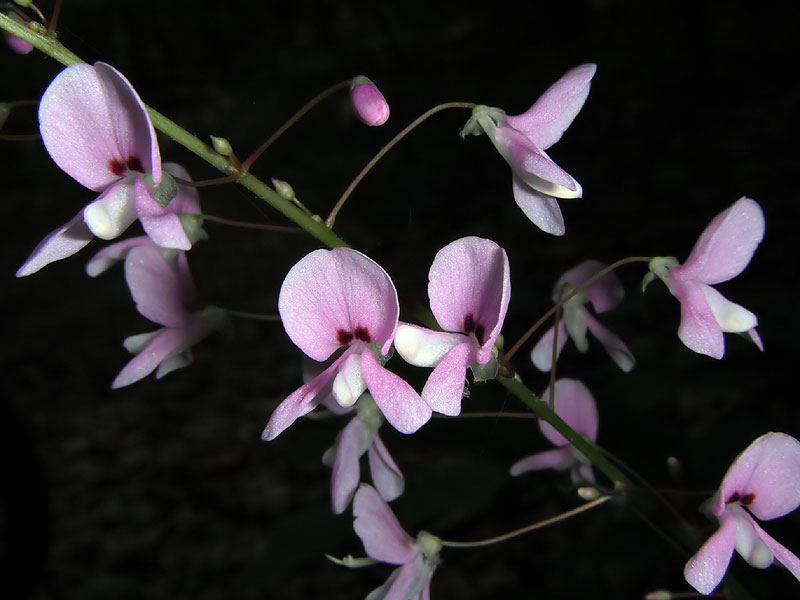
408	129
243	224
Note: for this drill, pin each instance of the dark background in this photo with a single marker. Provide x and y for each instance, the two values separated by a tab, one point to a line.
164	489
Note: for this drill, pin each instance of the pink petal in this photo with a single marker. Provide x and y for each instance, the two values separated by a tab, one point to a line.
350	445
542	353
398	401
445	386
300	402
188	199
330	291
469	282
604	294
150	357
615	347
705	570
726	246
383	537
541	209
698	330
160	223
542	460
576	406
113	211
113	253
157	287
368	102
61	243
554	111
782	554
90	116
410	581
386	475
769	469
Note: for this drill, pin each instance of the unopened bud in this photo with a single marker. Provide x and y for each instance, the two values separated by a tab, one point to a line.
23	3
283	189
588	493
368	102
221	146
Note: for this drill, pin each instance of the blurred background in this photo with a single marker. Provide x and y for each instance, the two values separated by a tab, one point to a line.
165	490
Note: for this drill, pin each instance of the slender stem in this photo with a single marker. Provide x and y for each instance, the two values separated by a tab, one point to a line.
47	44
554	360
292	120
244	224
532	527
51	28
252	316
423	117
563	300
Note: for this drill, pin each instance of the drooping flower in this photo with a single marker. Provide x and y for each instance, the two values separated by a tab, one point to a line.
164	293
360	436
385	540
339	298
368	102
576	406
522	140
604	294
723	251
763	481
185	204
469	288
96	128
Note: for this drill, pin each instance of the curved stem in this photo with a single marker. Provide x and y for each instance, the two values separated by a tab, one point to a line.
51	28
252	316
578	289
244	224
424	116
532	527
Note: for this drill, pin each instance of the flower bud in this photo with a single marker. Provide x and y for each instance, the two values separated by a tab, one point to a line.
221	146
368	102
283	189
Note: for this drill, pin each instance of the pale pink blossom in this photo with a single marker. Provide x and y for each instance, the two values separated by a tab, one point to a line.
360	436
96	128
723	251
469	288
763	481
604	294
385	540
368	103
521	140
164	293
576	406
339	298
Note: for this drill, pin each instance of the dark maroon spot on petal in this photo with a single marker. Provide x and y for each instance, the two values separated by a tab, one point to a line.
480	333
362	333
469	323
134	164
343	337
117	167
748	499
734	497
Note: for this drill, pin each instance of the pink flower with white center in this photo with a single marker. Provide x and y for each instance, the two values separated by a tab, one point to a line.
604	294
97	129
576	406
521	140
164	293
185	204
722	252
335	299
764	481
386	541
469	288
368	102
360	436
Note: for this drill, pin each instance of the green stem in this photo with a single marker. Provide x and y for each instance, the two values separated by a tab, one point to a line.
52	48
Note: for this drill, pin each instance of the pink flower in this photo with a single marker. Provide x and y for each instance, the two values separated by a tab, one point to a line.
164	293
335	299
574	403
358	437
469	289
16	44
604	294
368	102
386	541
764	481
722	252
97	129
522	140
